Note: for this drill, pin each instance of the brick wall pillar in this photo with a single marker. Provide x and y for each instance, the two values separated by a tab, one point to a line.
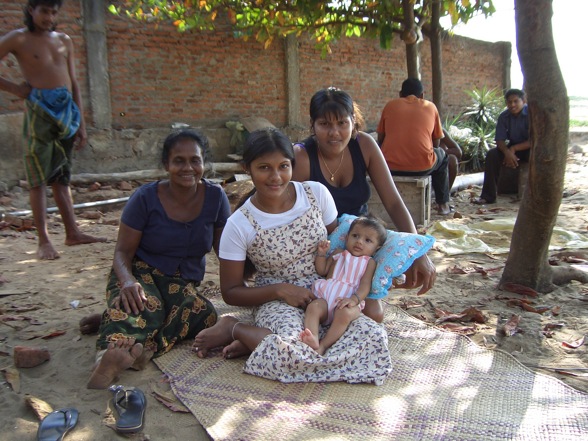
93	14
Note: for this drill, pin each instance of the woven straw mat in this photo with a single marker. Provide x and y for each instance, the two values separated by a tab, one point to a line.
442	387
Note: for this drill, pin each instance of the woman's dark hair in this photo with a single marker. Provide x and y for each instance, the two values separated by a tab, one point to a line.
28	18
173	138
336	102
373	222
264	141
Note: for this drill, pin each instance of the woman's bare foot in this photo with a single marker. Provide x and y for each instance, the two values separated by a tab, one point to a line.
46	251
119	356
142	360
80	238
90	323
235	349
218	335
310	339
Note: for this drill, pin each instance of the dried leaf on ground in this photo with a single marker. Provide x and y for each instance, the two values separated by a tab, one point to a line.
459	329
53	334
511	327
459	270
519	289
442	313
13	378
165	395
456	269
408	304
548	329
23	308
40	407
15	318
574	344
44	334
527	306
467	315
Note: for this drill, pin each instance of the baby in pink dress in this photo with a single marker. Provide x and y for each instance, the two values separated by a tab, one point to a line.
340	297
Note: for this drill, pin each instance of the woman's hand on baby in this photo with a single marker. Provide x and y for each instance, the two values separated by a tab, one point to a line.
348	302
295	295
131	297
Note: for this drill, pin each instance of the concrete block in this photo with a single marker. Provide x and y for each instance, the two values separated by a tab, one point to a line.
416	194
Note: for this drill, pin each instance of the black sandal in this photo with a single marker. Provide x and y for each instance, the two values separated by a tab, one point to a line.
57	424
129	404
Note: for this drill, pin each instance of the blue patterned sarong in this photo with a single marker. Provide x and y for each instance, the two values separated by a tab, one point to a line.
51	120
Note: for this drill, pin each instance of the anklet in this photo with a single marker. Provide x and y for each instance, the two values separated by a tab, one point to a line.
233	330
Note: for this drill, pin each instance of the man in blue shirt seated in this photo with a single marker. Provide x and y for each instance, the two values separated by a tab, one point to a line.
512	143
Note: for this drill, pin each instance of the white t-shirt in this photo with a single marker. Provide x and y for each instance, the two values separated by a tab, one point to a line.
238	234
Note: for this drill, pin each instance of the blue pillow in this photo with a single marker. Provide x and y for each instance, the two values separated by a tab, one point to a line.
394	257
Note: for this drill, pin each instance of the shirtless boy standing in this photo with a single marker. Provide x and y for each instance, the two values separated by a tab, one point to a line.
54	119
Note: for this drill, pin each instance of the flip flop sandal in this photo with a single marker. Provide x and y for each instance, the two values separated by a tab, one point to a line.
129	404
55	426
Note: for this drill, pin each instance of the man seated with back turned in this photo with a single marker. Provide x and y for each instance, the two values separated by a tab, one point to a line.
512	144
408	133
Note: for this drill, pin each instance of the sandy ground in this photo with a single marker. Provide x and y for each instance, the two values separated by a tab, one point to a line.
41	303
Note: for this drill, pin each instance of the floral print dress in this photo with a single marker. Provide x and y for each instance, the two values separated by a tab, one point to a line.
285	254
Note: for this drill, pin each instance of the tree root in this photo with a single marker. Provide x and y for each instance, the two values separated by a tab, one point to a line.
563	275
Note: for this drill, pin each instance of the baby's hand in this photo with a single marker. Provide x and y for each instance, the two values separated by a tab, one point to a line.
346	303
323	246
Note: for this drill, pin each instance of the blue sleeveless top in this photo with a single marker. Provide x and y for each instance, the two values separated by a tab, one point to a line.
353	198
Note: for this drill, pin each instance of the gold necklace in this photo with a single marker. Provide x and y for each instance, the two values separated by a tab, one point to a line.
332	179
264	208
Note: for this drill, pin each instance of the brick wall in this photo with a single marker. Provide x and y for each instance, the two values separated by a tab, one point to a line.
158	76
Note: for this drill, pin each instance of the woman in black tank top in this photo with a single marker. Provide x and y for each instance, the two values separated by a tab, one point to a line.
341	157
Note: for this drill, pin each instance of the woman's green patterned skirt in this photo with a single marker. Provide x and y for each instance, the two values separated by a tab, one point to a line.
173	312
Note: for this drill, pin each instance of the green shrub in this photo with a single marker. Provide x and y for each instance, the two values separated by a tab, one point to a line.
578	123
474	128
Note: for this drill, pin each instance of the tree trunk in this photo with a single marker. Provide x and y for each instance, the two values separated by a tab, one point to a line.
413	67
527	262
436	56
410	38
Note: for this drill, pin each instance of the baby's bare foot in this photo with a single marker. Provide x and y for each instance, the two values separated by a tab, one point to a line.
310	339
218	335
120	355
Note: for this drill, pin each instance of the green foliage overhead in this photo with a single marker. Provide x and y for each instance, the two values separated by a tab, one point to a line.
326	21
